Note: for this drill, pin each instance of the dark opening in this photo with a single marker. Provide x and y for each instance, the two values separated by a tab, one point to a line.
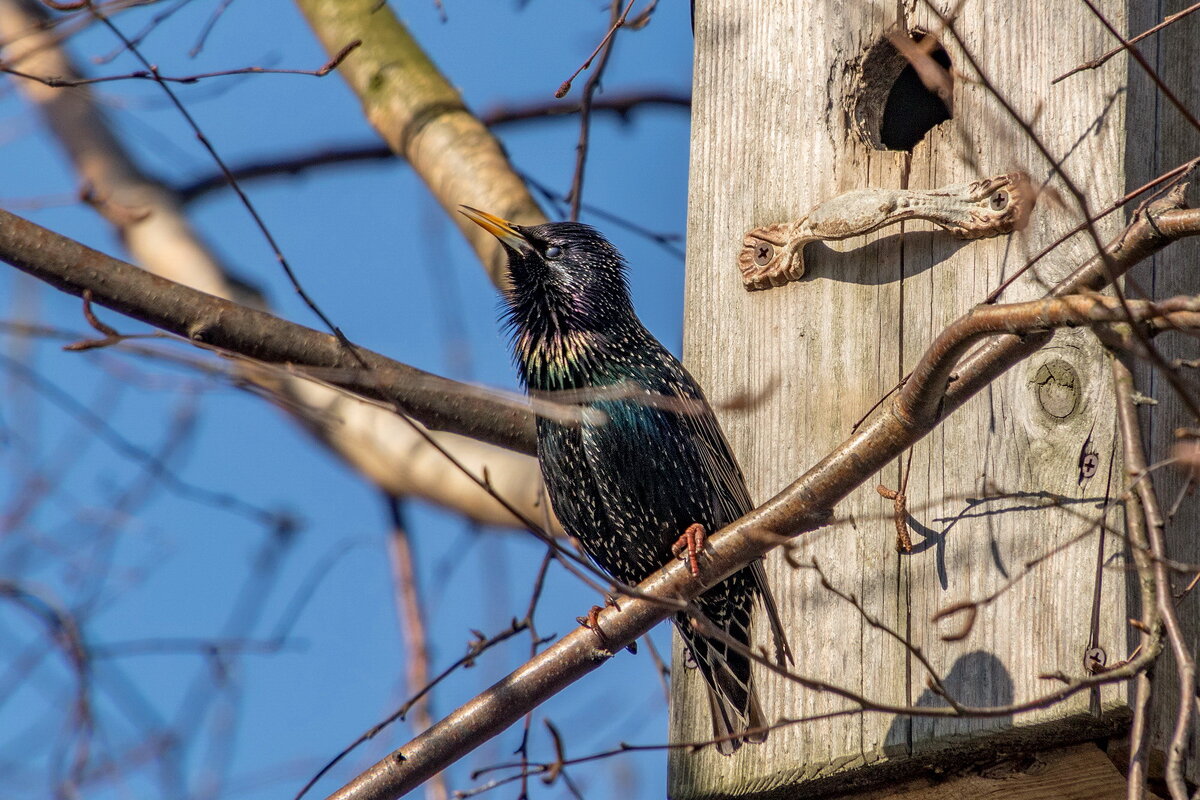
911	110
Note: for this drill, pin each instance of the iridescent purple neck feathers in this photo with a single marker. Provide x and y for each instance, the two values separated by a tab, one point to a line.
568	308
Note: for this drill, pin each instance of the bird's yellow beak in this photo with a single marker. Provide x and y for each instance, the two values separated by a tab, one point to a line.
499	227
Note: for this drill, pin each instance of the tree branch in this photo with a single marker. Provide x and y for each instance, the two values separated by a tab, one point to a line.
150	221
621	105
437	402
423	119
801	507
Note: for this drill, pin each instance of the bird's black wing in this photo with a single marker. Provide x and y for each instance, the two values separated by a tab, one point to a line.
731	484
665	451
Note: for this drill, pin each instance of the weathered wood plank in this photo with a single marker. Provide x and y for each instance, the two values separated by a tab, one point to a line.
767	145
1000	483
1082	772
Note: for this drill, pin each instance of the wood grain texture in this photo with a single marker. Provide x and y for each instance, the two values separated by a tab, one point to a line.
995	487
1081	772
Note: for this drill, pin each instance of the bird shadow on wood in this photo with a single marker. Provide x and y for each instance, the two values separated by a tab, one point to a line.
978	679
973	508
923	251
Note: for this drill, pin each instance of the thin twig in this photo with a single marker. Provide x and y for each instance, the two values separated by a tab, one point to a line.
585	106
1178	172
565	86
1183	110
1101	60
56	82
475	648
1164	602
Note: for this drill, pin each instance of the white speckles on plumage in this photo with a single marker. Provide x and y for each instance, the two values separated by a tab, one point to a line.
629	487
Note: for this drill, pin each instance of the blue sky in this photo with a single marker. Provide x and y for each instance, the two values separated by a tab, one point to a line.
381	259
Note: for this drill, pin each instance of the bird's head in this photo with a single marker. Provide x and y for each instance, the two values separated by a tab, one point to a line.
565	269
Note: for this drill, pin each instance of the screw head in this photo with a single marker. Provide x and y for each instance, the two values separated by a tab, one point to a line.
999	200
1089	464
763	253
1094	659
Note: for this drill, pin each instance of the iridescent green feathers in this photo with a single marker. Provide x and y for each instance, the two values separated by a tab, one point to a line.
629	481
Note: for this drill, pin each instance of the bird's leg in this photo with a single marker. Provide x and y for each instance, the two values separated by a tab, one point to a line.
691	543
592	620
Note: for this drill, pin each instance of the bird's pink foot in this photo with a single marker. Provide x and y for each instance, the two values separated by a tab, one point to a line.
689	545
592	620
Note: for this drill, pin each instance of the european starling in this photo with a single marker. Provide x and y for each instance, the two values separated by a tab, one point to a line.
635	482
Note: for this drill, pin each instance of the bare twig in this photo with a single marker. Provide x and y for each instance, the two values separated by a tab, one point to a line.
475	648
585	106
617	22
1180	106
801	507
1177	173
1163	601
57	81
1099	61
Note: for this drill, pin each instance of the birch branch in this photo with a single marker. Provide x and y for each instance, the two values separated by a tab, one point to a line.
424	120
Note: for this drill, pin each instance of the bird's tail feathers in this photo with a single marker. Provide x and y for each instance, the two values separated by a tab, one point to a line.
736	713
783	651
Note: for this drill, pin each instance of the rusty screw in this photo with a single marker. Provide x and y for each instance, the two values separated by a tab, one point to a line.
763	253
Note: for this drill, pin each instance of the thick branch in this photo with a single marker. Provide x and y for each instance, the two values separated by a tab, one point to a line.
423	119
397	456
799	508
439	403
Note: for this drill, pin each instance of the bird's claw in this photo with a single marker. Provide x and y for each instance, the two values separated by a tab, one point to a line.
689	547
592	620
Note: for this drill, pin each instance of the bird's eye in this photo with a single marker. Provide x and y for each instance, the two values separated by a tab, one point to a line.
553	251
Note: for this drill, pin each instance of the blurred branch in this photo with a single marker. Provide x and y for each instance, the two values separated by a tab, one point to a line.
412	615
150	220
621	105
803	506
423	119
437	402
63	630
